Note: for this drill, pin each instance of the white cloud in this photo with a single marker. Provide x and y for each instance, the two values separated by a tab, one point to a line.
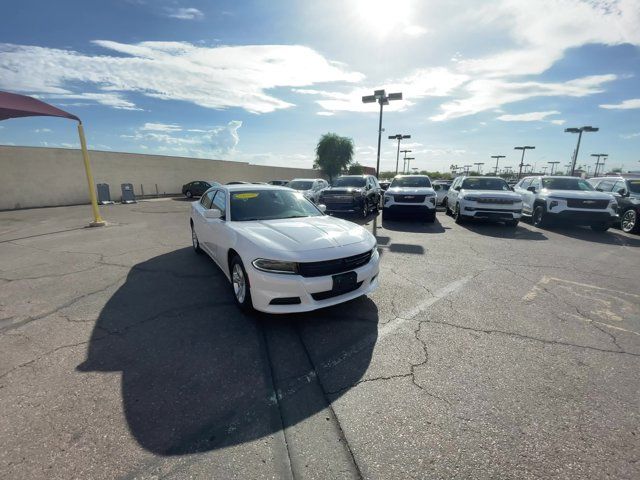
629	136
42	130
325	114
527	117
173	139
487	94
113	100
212	77
625	105
415	30
558	122
184	13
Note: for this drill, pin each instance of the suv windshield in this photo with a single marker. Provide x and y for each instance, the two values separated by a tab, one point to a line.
269	205
415	182
480	183
349	182
634	185
566	183
300	185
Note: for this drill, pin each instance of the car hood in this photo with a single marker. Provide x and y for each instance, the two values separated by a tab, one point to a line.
579	194
412	190
491	194
303	234
342	190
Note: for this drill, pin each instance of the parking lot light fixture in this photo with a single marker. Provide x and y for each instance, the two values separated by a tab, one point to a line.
579	131
399	137
598	163
408	160
524	148
383	99
404	161
553	166
479	167
497	157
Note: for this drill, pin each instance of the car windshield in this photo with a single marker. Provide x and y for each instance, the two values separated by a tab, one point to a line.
250	205
300	185
349	182
634	186
414	182
479	183
566	183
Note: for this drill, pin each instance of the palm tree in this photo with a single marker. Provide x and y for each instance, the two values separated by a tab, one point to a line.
333	154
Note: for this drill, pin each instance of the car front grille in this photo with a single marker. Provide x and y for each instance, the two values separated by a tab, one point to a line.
409	198
580	203
337	198
331	293
331	267
497	201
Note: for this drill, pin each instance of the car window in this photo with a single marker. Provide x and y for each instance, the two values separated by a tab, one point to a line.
300	185
437	187
206	199
483	183
535	183
220	202
375	181
349	182
415	182
524	184
566	183
270	205
633	185
606	185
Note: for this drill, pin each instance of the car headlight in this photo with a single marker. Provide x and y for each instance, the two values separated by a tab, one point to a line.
275	266
471	198
553	203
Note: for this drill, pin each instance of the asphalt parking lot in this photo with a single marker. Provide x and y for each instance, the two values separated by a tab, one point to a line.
487	352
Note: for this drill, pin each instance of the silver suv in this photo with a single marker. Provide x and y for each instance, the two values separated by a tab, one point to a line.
569	199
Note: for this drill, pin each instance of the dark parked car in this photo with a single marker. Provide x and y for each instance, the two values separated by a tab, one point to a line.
626	190
237	182
281	183
197	187
359	194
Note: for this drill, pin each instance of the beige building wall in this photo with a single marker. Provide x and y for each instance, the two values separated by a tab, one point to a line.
44	177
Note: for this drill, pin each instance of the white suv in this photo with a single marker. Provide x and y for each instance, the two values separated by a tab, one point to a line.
569	199
483	197
410	194
311	188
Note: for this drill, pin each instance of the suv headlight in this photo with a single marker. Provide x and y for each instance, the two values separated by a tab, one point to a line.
275	266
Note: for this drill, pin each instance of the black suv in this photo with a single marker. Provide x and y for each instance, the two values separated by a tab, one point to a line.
197	188
626	190
359	194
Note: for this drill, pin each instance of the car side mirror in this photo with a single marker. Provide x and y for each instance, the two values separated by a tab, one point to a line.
322	207
458	188
623	192
512	189
213	214
531	189
598	189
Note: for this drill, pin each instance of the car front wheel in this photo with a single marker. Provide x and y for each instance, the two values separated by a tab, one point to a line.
539	216
194	240
629	222
240	284
188	194
457	216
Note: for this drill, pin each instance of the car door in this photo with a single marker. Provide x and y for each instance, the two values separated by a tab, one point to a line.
199	220
620	192
528	197
452	194
215	228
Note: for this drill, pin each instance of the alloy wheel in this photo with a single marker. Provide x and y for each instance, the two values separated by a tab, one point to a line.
239	283
629	219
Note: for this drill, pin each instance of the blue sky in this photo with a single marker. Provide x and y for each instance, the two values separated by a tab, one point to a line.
260	81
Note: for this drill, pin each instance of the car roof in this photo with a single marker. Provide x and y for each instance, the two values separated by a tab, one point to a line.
305	179
417	175
243	187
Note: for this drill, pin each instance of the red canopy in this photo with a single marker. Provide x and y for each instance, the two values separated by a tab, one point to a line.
13	105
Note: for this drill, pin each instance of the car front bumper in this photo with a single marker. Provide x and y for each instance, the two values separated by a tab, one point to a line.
498	214
266	287
582	217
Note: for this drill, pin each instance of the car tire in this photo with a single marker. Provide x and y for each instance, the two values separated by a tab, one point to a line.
195	243
240	285
629	221
188	194
447	210
364	213
431	217
457	216
600	227
512	223
538	218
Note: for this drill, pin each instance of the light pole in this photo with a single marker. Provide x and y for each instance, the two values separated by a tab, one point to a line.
466	169
479	167
399	137
524	149
598	155
383	99
579	132
406	167
497	157
404	161
544	170
553	165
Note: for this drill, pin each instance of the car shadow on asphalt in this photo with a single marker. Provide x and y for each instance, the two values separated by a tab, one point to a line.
199	375
500	230
413	225
610	237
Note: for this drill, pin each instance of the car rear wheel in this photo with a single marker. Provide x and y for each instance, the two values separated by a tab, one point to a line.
629	222
188	194
194	241
600	227
240	284
539	216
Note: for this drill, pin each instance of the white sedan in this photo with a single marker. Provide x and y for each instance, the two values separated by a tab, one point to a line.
279	250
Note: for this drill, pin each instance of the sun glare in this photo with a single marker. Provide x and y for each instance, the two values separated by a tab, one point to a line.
382	17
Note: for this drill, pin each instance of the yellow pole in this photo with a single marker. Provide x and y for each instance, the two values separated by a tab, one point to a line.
97	219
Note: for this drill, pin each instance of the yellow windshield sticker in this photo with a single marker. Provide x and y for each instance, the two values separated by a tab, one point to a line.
245	196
